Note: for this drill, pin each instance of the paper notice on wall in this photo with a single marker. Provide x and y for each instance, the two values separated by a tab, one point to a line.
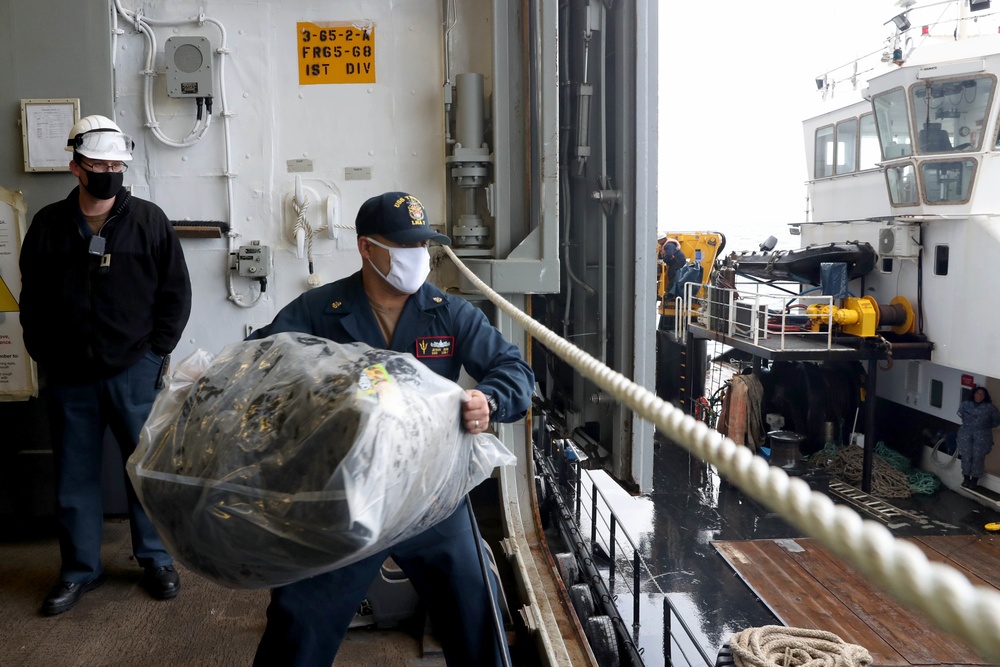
17	371
47	124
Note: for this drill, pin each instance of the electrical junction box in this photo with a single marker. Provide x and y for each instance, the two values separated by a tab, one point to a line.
899	241
254	260
189	66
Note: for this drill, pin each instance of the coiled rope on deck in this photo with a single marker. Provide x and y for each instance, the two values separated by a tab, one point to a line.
778	646
847	463
892	474
938	590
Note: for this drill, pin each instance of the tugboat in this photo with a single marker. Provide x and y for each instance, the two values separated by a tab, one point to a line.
902	229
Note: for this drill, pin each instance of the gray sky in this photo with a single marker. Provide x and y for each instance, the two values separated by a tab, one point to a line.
744	73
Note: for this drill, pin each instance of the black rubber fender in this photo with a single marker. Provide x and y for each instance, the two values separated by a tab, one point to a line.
725	657
568	568
583	601
600	633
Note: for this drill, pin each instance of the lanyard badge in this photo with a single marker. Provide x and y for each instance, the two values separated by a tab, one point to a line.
96	245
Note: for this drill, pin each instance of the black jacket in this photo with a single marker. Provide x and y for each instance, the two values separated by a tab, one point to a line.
87	317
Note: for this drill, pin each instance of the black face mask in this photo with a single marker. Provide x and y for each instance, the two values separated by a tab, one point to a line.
104	186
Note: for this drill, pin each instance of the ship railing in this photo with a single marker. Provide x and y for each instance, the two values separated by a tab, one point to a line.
609	560
947	596
608	533
759	313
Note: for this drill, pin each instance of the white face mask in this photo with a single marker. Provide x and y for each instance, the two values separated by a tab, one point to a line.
408	267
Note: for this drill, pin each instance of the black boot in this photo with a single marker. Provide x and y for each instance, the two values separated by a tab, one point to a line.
973	482
965	481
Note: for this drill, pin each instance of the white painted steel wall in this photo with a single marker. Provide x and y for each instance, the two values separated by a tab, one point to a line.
394	127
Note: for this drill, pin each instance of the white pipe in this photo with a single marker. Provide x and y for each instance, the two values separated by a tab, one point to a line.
143	24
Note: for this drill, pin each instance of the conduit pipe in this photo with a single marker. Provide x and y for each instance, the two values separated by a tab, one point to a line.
143	24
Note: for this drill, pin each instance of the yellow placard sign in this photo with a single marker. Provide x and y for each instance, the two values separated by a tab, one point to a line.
8	304
336	53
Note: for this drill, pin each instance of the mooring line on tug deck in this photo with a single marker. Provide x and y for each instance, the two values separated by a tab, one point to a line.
937	589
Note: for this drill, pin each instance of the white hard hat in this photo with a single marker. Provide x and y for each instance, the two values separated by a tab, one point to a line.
99	138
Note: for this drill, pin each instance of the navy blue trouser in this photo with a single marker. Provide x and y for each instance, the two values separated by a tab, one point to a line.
973	446
307	620
80	416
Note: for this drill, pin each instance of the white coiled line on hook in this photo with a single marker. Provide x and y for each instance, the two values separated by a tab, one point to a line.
938	590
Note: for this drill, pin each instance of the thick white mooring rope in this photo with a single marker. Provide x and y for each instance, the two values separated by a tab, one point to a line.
940	591
778	646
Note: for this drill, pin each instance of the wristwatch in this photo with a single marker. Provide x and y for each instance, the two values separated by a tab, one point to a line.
494	406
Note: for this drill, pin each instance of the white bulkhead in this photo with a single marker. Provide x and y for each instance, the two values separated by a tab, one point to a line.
333	101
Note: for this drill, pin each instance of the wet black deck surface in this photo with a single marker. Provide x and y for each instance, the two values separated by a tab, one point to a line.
690	507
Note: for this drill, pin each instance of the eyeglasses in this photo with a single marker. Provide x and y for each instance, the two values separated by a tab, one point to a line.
105	167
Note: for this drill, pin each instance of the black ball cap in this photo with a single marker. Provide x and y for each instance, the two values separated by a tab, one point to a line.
398	217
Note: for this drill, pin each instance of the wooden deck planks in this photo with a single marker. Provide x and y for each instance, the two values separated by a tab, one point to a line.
798	599
911	633
807	586
977	556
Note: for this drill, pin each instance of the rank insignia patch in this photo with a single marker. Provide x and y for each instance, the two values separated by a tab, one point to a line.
435	346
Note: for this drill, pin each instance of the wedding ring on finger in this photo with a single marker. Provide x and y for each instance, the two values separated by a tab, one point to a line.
477	423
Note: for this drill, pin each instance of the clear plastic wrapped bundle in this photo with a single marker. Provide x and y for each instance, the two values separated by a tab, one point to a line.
293	455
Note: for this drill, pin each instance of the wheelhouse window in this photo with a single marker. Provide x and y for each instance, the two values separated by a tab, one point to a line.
902	180
947	181
870	154
847	142
893	124
824	152
950	115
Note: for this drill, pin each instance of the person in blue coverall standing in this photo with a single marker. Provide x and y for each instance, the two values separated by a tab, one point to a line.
975	435
388	305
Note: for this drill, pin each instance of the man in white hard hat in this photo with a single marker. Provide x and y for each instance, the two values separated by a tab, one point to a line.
105	296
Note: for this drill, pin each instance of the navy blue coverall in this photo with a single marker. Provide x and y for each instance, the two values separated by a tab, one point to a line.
975	435
307	620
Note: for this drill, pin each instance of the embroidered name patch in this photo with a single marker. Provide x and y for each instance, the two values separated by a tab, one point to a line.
435	346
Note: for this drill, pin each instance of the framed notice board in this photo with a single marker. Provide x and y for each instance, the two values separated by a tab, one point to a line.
45	126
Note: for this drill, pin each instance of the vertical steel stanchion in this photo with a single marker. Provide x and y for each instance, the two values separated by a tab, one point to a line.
635	588
666	631
611	549
593	519
561	468
868	457
579	492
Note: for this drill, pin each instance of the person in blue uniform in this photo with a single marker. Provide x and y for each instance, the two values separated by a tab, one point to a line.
388	304
975	435
105	296
668	251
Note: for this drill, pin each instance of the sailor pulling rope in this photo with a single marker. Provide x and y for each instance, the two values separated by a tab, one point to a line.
778	646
